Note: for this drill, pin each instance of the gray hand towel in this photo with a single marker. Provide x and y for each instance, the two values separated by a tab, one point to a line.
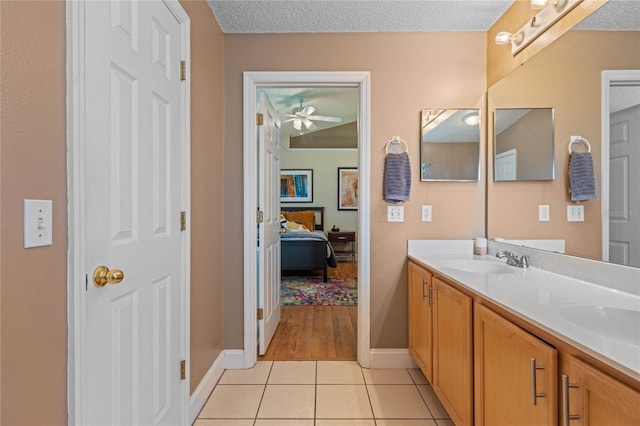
582	182
397	178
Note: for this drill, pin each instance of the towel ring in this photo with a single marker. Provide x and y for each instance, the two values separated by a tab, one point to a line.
395	140
579	139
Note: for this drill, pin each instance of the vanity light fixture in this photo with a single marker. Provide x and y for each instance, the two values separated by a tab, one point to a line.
540	4
504	37
471	119
544	19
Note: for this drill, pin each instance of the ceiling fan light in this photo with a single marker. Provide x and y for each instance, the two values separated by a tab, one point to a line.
472	119
307	123
297	124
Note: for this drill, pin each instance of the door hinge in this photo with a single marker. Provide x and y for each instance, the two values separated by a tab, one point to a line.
183	369
183	70
260	313
259	119
183	221
86	282
260	216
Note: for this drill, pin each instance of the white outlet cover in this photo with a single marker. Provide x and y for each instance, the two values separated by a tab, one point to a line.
426	213
543	213
575	213
38	226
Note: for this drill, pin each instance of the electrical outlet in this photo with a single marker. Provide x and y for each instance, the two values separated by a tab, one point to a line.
543	213
395	214
575	213
426	213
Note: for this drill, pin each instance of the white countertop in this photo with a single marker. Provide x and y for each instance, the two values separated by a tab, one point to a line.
546	300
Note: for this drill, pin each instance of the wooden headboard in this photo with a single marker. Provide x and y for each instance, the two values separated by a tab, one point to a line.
318	214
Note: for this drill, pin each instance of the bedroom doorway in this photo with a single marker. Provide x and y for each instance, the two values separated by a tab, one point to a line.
318	206
357	266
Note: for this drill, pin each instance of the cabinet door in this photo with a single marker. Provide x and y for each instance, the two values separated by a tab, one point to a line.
453	352
597	399
506	379
420	318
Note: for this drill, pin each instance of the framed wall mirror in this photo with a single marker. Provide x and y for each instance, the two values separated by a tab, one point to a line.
524	144
450	145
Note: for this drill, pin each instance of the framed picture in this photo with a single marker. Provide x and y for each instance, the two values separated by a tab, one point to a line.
296	186
347	188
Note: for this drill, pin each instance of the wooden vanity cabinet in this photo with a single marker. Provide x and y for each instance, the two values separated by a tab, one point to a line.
515	374
420	336
592	398
453	351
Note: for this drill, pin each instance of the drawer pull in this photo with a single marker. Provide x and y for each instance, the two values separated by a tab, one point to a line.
566	417
534	391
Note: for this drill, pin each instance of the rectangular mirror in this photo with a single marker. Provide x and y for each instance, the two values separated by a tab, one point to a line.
450	145
524	144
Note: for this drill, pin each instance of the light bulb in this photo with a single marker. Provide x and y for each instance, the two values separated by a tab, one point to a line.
504	37
540	4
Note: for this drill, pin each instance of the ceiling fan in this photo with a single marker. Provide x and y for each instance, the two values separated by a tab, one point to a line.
302	118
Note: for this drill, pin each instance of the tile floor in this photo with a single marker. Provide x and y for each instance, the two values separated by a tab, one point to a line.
322	393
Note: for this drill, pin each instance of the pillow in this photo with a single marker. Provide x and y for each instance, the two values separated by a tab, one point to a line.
305	218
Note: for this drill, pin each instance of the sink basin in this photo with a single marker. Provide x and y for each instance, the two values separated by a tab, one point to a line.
482	267
616	323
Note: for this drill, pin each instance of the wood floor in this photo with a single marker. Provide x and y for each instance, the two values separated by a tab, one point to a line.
317	332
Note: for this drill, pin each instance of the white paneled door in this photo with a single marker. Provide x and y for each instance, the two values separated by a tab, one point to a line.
133	201
624	187
268	233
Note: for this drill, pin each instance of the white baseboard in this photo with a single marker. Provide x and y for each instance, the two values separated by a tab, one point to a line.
234	359
205	387
391	358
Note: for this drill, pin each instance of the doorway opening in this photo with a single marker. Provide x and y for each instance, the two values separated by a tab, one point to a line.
318	209
254	82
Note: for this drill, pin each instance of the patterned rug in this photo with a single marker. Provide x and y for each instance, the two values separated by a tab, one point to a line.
300	290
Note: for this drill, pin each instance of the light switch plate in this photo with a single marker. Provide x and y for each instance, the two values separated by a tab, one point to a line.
575	213
38	226
395	214
426	213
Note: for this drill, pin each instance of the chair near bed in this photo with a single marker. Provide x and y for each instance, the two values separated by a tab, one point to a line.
305	255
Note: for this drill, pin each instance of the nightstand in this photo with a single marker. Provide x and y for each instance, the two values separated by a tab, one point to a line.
347	246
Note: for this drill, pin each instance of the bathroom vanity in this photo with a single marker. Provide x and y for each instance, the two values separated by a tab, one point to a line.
505	345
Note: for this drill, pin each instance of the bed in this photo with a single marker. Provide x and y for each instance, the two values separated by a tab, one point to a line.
307	251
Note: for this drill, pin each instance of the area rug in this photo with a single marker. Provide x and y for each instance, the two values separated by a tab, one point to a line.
300	290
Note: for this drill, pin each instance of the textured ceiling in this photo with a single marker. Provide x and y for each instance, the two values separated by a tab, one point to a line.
320	16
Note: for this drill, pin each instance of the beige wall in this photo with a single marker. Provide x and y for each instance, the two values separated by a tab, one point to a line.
565	76
409	72
33	283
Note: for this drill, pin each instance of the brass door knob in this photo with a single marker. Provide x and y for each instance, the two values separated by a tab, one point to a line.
103	276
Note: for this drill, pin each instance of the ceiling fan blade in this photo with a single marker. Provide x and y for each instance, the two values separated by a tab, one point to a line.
289	120
308	110
325	118
289	115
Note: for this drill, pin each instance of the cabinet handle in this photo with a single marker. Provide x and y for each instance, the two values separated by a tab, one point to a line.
566	417
534	391
429	294
423	284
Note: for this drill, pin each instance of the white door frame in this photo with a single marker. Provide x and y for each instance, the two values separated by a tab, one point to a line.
76	296
251	82
609	77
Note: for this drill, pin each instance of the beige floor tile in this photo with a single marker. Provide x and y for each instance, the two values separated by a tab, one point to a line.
342	402
417	376
257	375
233	402
406	422
397	402
293	373
445	422
436	408
287	402
339	373
284	422
223	422
387	376
346	422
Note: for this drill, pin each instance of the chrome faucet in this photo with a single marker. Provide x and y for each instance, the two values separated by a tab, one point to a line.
513	260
